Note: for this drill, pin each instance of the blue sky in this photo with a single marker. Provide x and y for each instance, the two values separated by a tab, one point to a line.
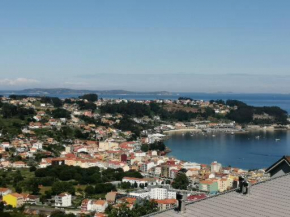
185	45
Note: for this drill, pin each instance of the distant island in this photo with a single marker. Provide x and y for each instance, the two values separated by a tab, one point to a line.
67	91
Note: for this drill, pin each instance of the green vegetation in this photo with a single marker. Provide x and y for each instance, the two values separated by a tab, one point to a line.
61	113
141	208
180	182
158	146
86	105
61	214
92	175
245	114
91	97
130	109
9	111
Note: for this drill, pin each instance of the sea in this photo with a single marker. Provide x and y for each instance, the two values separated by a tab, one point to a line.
254	150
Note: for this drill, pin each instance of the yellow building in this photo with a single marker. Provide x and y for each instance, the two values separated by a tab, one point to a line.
14	199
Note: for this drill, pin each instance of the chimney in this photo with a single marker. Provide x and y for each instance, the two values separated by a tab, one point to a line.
244	186
181	197
183	209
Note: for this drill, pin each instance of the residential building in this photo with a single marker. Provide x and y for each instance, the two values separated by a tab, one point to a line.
166	204
215	167
161	194
13	199
63	200
209	186
5	191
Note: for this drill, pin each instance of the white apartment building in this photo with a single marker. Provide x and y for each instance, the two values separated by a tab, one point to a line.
161	194
63	200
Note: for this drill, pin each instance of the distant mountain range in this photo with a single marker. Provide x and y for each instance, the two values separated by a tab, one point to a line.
67	91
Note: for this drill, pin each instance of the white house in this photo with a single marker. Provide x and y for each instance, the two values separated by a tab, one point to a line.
63	200
37	145
215	167
5	145
5	191
99	205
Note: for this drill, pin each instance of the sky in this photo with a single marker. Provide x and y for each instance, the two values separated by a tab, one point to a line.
146	45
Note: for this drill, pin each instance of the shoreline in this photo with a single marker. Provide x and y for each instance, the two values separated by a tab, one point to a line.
182	130
248	130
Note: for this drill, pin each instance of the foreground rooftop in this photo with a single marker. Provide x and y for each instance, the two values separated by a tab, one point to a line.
269	198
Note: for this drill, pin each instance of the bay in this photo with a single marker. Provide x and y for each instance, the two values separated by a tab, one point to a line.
254	150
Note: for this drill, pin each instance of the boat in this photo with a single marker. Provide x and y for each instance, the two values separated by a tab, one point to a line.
277	140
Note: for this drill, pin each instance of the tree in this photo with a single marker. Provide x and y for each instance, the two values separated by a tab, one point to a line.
32	169
144	148
61	214
180	182
31	185
90	190
141	208
61	113
91	97
135	185
18	189
60	187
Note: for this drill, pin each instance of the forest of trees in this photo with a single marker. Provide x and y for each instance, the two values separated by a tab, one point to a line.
141	208
61	113
158	146
91	97
9	111
245	114
92	175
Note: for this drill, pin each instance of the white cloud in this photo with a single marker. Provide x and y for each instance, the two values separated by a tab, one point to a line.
17	82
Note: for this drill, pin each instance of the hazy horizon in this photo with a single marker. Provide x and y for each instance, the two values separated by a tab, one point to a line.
176	46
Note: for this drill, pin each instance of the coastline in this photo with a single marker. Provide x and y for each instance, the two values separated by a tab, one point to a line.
182	130
246	130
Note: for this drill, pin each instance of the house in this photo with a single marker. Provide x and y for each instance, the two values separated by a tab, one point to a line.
279	168
209	186
94	205
99	205
13	199
63	200
31	199
111	197
19	164
5	191
215	167
166	204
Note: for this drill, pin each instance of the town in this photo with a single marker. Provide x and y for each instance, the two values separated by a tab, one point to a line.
102	157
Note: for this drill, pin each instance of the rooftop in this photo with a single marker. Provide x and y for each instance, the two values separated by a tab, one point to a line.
269	198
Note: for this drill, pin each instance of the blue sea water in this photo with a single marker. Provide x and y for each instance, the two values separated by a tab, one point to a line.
245	151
